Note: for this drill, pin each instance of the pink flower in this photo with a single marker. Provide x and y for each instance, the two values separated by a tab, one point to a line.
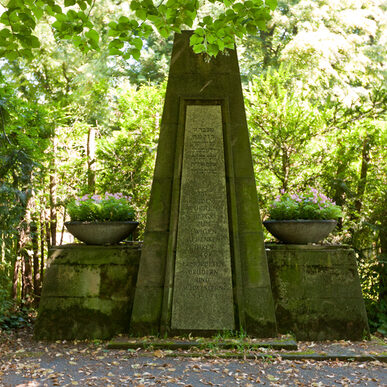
96	198
84	197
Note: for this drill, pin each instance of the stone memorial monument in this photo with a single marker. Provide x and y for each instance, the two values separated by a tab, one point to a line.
203	266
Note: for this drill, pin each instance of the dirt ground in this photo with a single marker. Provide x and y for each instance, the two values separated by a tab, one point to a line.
25	362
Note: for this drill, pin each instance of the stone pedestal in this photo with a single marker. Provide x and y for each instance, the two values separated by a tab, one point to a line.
87	292
317	292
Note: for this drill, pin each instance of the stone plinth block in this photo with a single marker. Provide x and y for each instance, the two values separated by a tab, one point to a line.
317	292
87	292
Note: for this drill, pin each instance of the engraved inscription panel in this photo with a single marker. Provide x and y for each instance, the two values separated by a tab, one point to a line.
203	297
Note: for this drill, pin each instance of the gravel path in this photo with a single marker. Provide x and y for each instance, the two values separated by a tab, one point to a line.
25	362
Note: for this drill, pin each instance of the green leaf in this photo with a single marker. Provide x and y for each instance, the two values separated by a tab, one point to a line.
195	39
164	32
123	19
14	4
81	15
141	14
220	33
77	40
5	33
199	31
92	35
212	49
238	7
188	21
38	12
116	43
272	4
211	38
251	28
261	24
57	9
114	33
34	42
72	15
114	51
4	19
82	5
12	55
136	54
220	44
57	25
229	45
26	53
134	5
61	17
207	20
69	3
137	42
198	48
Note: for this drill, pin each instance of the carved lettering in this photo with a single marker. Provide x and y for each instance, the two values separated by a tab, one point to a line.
202	297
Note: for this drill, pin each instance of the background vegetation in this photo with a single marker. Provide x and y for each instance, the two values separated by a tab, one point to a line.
83	121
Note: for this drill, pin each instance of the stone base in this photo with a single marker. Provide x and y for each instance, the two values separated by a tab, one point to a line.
317	292
87	292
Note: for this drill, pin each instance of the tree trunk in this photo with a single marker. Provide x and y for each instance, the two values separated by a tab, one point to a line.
338	196
42	222
63	226
48	232
365	158
285	169
91	162
15	278
27	287
53	185
383	251
35	258
25	235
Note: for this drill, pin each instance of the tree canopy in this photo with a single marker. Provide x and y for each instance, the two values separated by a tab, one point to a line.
126	31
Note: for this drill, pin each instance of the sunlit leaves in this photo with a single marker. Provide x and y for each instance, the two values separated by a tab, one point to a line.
238	19
73	23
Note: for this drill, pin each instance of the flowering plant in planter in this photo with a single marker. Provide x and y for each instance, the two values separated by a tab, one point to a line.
101	208
308	205
101	219
302	218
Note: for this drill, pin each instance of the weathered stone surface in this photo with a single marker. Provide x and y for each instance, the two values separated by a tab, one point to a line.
317	292
203	284
193	81
72	281
87	292
80	318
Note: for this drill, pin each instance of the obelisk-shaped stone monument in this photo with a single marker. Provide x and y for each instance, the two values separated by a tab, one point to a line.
203	267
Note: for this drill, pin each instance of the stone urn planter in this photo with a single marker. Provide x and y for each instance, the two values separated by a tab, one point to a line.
300	231
101	233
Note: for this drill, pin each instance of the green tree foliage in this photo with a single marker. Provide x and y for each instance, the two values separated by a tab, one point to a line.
282	122
72	20
127	156
24	139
